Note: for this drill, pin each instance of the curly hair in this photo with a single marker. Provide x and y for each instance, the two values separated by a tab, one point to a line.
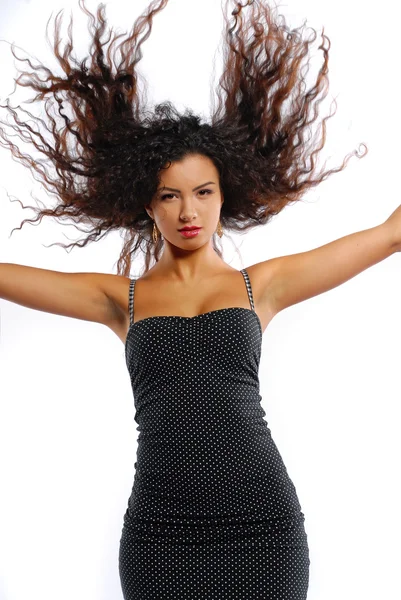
109	155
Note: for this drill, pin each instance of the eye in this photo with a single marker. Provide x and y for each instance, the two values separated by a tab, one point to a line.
170	195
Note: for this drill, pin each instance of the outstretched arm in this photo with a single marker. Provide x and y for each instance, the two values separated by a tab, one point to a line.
297	277
77	295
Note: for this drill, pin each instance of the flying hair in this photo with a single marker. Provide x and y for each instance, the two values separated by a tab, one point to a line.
107	156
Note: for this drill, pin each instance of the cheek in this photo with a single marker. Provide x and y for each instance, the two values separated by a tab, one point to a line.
163	215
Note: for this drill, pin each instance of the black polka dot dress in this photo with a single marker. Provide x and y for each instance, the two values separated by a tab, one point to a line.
213	513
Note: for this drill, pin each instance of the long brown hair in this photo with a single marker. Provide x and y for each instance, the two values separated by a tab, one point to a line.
108	155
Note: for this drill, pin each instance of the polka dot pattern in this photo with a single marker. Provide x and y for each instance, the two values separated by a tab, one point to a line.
213	513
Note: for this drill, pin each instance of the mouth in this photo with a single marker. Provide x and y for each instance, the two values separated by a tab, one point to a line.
190	229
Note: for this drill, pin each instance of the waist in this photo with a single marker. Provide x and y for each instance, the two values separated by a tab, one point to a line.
288	529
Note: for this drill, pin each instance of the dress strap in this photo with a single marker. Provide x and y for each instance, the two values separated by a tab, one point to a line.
248	287
131	301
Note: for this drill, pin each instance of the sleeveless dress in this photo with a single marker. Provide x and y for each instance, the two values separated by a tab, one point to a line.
213	513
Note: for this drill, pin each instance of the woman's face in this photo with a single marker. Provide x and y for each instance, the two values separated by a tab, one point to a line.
195	199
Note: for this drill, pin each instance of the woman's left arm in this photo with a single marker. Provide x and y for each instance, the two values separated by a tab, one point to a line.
297	277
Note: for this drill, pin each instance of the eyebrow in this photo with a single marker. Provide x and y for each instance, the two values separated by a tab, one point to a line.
179	191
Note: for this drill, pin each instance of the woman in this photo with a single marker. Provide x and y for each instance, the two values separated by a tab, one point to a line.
213	512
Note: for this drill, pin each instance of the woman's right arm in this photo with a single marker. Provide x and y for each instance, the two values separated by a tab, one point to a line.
86	296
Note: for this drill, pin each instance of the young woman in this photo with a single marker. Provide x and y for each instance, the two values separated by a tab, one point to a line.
213	512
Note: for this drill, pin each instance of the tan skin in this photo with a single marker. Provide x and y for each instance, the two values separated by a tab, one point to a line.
190	278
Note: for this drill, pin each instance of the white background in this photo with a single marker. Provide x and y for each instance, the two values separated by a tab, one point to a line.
329	373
